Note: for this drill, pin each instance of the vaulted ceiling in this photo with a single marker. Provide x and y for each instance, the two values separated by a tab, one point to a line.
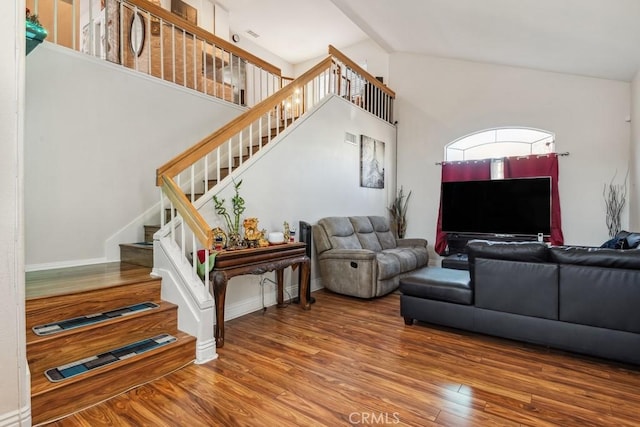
598	38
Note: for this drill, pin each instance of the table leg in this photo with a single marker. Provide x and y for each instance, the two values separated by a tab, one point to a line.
219	284
280	283
304	285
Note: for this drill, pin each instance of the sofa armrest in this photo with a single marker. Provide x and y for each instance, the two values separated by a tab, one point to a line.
411	242
348	254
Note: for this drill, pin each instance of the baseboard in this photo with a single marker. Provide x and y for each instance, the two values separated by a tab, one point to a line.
64	264
19	418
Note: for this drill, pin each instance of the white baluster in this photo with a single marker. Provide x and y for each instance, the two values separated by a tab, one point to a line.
194	256
184	58
162	49
206	173
218	165
195	77
240	146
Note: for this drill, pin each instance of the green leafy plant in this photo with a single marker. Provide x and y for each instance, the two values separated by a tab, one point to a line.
238	208
33	18
398	212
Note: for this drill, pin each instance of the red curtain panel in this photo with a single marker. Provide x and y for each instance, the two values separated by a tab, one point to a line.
472	170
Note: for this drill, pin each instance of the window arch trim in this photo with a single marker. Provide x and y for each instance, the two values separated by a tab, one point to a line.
538	141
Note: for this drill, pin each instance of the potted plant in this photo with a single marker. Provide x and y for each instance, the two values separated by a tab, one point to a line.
35	33
398	212
237	202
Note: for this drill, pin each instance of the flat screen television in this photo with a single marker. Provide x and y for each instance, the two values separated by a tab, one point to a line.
519	206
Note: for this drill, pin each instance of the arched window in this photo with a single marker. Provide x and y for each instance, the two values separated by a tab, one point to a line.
499	153
500	142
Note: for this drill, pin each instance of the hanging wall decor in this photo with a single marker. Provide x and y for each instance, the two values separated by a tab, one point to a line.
371	162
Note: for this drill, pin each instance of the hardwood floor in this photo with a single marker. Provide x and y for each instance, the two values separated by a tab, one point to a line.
354	362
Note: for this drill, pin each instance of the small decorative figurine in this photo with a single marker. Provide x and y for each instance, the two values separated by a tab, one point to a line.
251	233
263	242
287	231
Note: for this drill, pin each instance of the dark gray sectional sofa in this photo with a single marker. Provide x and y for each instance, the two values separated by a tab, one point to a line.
584	300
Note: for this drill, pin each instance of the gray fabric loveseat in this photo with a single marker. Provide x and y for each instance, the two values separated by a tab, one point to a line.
360	256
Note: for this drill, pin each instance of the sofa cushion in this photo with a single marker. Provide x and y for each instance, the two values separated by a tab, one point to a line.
597	257
512	251
440	284
509	251
623	240
388	266
406	259
633	240
525	288
340	233
364	230
385	236
420	253
601	297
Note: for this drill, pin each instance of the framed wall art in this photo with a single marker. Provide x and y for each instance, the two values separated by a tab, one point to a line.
371	162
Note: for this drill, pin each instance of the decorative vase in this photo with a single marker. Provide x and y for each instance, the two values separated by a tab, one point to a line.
235	241
35	34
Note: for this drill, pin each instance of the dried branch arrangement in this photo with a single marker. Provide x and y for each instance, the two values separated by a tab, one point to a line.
615	197
398	212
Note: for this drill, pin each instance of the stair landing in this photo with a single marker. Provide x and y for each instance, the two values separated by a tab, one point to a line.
63	281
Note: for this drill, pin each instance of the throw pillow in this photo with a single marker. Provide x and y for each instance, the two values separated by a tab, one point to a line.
632	240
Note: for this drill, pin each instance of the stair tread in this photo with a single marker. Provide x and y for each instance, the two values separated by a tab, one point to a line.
44	352
50	401
33	338
70	280
40	384
104	298
140	245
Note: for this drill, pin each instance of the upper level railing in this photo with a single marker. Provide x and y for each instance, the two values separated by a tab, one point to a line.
361	88
147	38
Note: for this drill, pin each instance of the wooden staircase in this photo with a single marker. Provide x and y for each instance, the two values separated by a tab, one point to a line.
141	253
57	295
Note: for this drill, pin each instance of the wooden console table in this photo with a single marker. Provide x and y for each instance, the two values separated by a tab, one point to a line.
257	261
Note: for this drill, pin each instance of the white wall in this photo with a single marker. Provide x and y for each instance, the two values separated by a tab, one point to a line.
14	390
366	52
248	45
311	173
95	134
634	187
439	100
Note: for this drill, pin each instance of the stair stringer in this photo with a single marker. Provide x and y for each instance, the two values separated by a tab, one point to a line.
181	286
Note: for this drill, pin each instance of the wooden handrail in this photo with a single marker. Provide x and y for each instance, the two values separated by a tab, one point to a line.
167	16
343	58
189	213
217	138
